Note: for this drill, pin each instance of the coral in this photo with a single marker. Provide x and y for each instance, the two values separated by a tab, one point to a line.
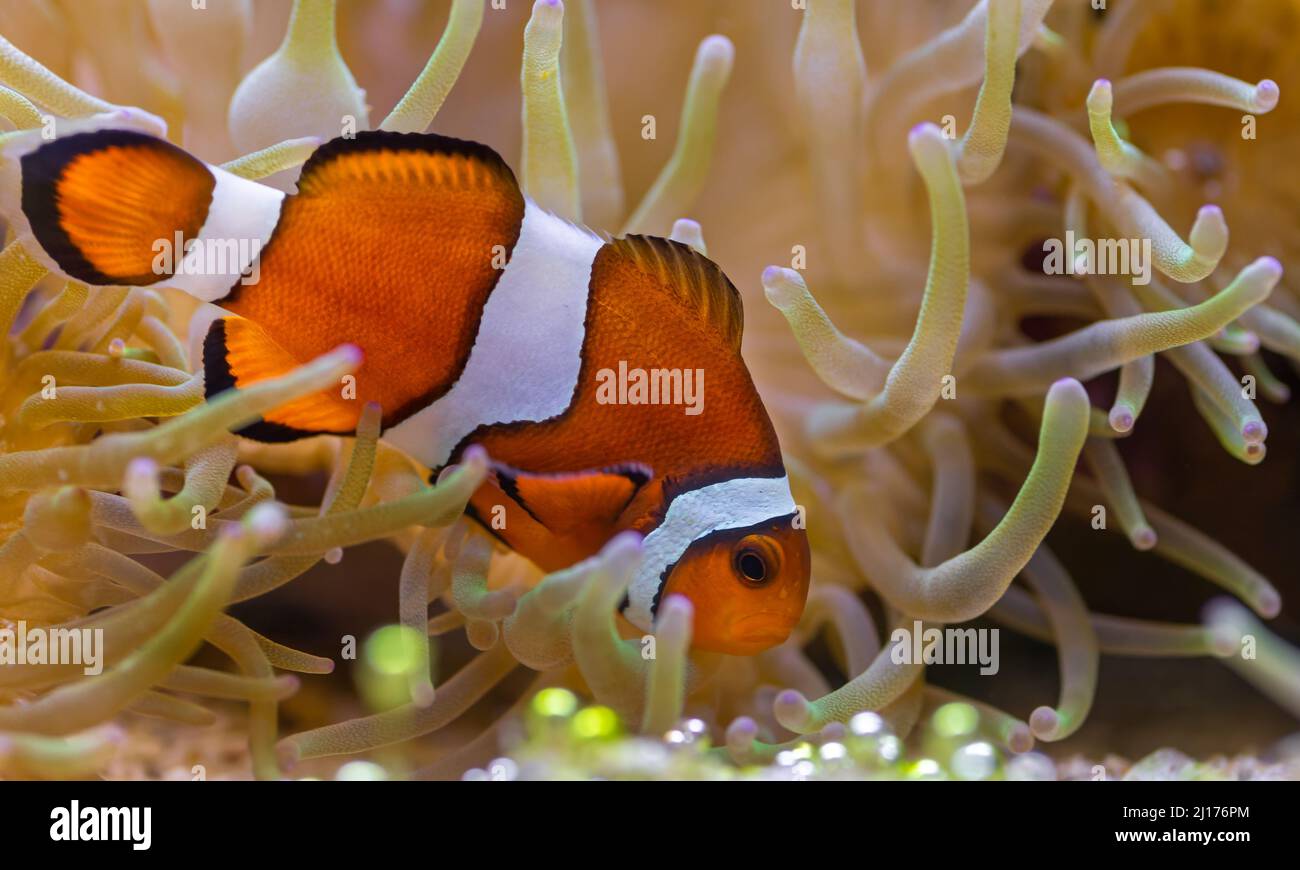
903	389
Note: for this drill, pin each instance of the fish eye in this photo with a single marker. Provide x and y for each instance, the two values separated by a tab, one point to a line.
756	560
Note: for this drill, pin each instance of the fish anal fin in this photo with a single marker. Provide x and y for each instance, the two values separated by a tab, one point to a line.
574	503
237	353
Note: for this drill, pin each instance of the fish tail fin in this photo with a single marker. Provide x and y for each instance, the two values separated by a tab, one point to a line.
237	353
123	207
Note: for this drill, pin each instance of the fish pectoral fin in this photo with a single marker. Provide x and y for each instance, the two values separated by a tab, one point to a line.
567	503
238	353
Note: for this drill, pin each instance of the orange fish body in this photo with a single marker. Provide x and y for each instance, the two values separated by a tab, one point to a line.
579	363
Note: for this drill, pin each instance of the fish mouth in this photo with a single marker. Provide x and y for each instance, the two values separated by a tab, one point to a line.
762	630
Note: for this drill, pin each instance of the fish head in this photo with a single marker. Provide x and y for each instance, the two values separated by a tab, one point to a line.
747	586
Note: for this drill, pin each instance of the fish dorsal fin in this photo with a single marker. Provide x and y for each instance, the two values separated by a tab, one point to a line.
394	242
691	278
360	160
568	502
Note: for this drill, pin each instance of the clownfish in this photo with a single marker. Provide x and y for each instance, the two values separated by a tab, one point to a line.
483	319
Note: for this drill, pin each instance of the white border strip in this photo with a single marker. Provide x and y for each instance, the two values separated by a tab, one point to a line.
243	213
730	504
525	361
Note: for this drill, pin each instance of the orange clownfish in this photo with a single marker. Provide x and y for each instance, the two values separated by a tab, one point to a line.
483	319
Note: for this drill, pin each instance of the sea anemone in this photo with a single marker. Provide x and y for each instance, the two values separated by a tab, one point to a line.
910	366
